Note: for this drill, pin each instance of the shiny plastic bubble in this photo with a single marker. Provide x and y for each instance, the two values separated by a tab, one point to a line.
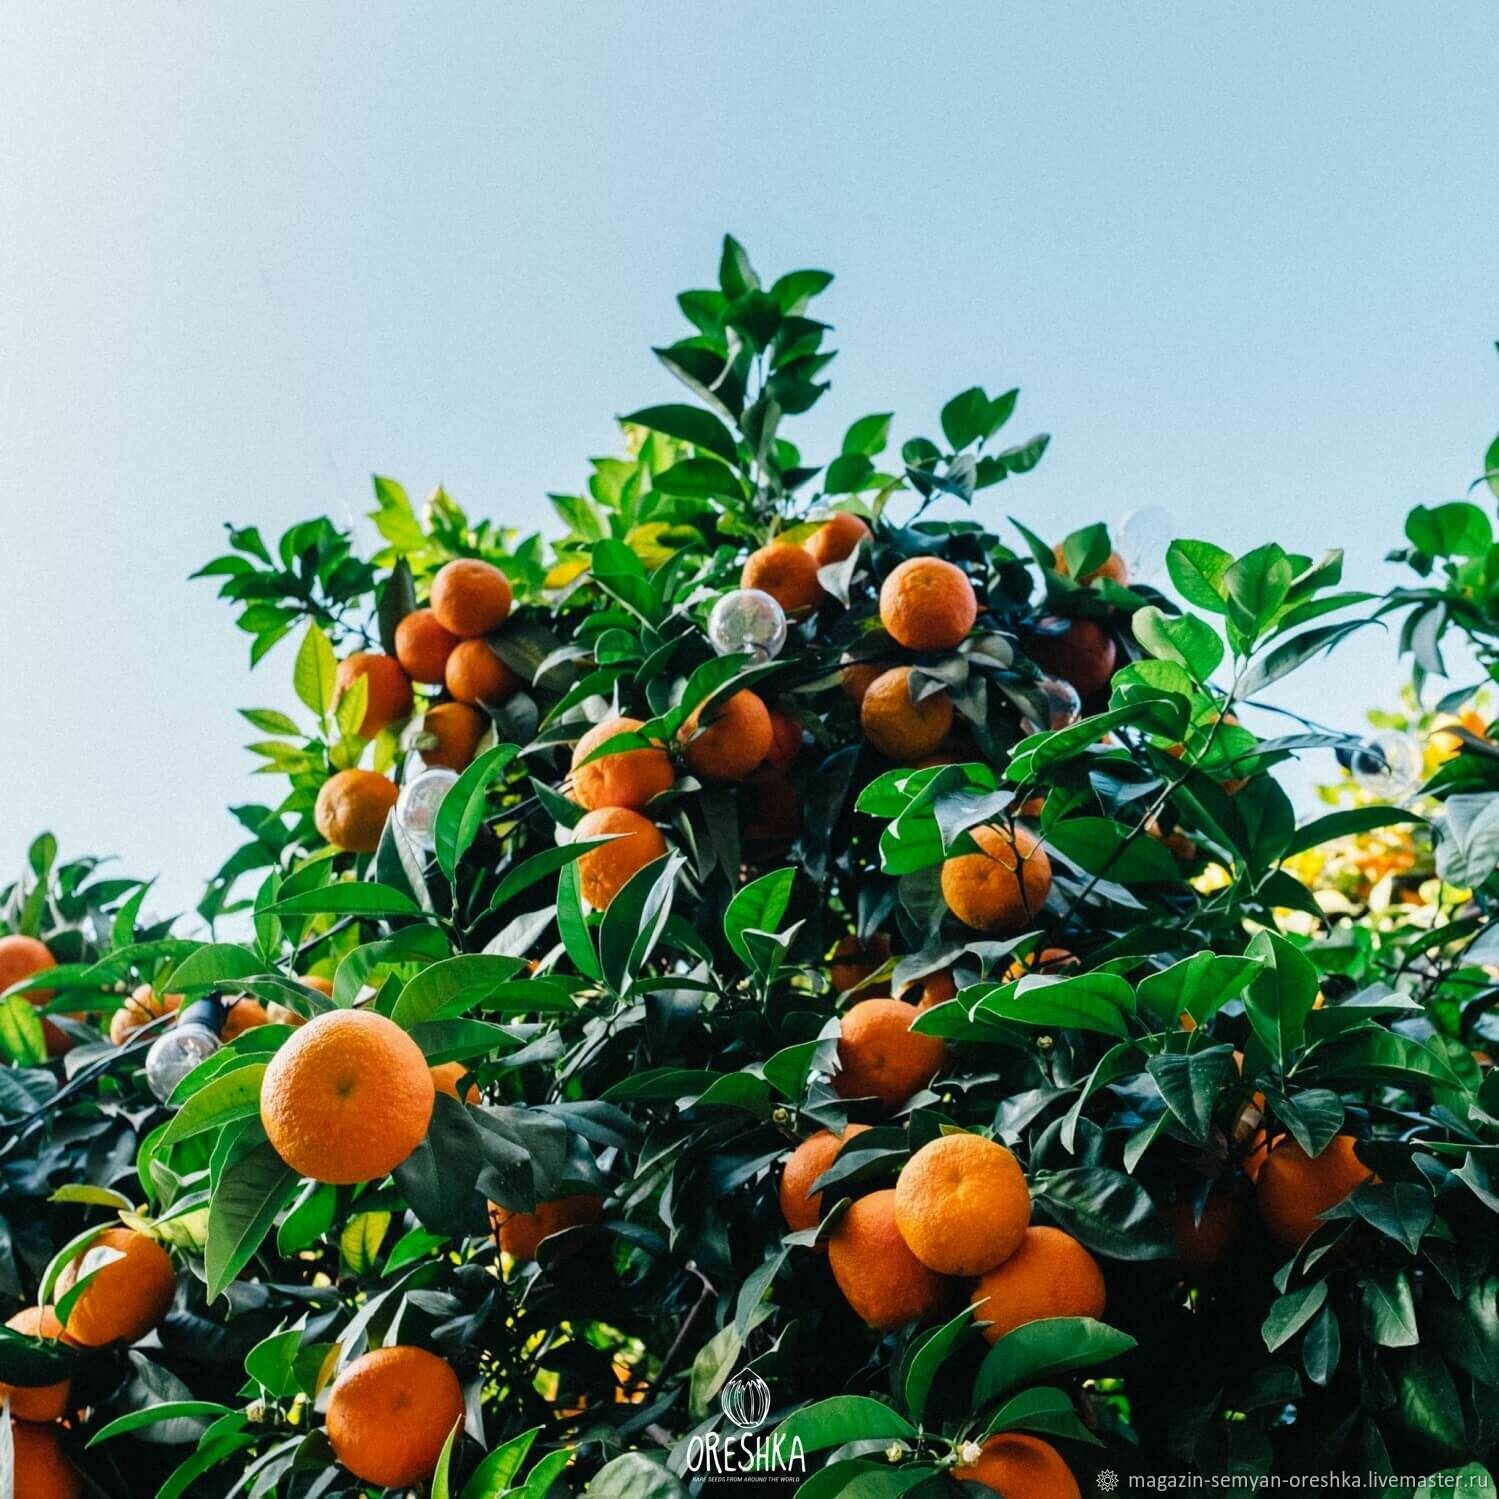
747	620
1141	539
416	806
175	1054
1388	766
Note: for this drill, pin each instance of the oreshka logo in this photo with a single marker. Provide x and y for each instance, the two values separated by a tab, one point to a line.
741	1453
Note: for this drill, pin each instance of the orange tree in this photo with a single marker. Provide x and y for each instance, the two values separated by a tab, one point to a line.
781	977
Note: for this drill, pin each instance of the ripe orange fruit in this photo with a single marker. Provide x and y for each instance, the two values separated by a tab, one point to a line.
390	1413
470	597
318	982
388	686
604	871
1017	1465
474	674
1049	1275
141	1008
1294	1189
785	740
423	646
879	1056
805	1164
446	1077
962	1204
855	958
734	741
898	727
20	957
857	677
1003	886
787	573
1050	960
347	1098
880	1278
1083	655
520	1234
1114	568
836	538
45	1402
42	1469
458	729
351	809
927	604
243	1014
931	989
125	1299
1202	1243
628	779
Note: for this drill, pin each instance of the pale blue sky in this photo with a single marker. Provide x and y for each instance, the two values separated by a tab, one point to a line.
1241	261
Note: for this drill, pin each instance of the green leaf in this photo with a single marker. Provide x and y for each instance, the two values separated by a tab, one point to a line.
1388	1310
1402	1211
316	671
171	1410
1257	585
736	275
843	1418
461	811
688	424
451	987
1197	569
349	898
1190	1083
229	1096
1050	1346
1045	1409
928	1359
1290	1313
1280	996
245	1202
633	1475
1110	1213
1102	846
1184	639
1296	651
868	436
498	1471
1468	838
397	600
1197	986
1088	1001
21	1037
1458	529
758	906
1347	823
215	965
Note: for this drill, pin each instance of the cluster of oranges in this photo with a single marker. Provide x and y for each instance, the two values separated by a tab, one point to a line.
440	647
130	1285
959	1214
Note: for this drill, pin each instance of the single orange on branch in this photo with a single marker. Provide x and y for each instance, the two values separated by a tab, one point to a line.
129	1287
423	646
836	538
733	740
457	730
884	1283
1049	1275
37	1402
521	1234
898	725
22	957
475	674
629	778
1003	886
1294	1189
347	1098
788	573
390	1414
928	604
1017	1465
880	1056
1083	654
387	685
962	1204
470	597
352	807
604	871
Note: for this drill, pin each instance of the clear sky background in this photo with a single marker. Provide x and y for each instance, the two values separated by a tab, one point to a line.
1243	262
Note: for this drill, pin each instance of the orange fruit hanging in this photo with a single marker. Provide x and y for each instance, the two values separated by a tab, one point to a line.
898	727
931	989
1017	1465
387	685
520	1234
243	1014
347	1098
1049	1275
855	959
962	1204
1113	569
390	1414
457	728
836	538
604	871
879	1056
734	741
447	1075
1003	886
423	646
857	677
884	1283
785	740
474	674
20	958
470	597
140	1008
45	1402
806	1163
42	1469
628	779
927	604
351	809
124	1299
787	573
1084	655
1294	1189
